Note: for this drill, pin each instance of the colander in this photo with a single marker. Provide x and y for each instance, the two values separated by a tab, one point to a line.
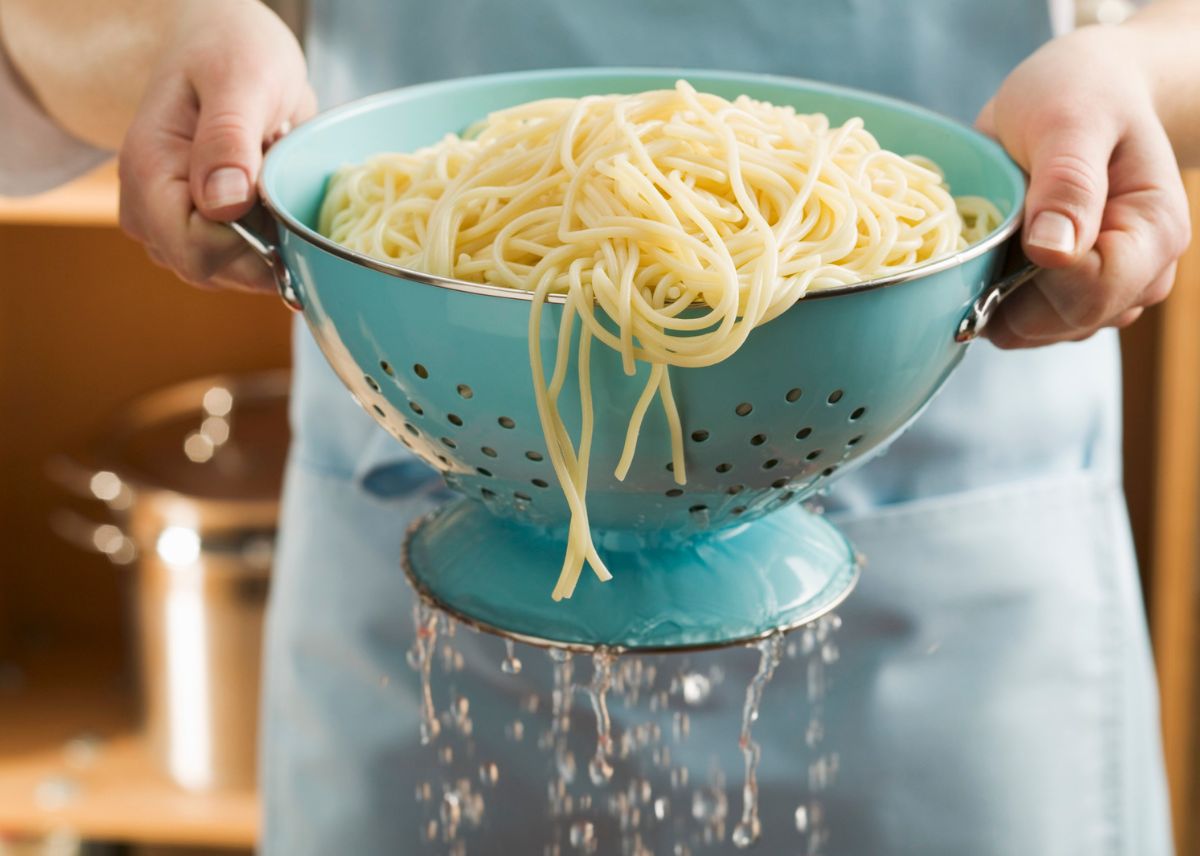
443	365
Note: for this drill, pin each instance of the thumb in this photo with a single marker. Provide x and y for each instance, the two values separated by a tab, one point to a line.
1068	187
227	149
986	120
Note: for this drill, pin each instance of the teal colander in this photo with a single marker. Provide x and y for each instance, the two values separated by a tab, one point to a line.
443	365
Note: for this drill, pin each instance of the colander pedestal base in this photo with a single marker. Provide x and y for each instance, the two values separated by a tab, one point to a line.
719	588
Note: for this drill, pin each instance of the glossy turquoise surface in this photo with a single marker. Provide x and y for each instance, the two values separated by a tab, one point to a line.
809	395
780	572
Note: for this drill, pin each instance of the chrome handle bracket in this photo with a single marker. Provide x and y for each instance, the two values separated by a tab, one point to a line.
269	253
986	304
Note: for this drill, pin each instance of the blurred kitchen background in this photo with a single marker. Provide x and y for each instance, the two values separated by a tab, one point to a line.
141	444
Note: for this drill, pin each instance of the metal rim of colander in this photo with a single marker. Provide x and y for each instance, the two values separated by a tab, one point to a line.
430	599
1002	233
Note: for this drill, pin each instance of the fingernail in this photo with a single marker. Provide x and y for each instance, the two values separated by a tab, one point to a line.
226	186
1052	231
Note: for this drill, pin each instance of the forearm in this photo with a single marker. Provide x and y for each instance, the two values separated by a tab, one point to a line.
1166	36
87	62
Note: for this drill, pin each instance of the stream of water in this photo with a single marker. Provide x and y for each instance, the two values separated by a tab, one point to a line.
648	780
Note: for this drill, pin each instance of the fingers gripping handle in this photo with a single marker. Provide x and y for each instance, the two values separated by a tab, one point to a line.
269	253
986	304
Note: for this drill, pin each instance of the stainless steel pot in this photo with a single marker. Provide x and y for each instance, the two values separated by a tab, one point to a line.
191	475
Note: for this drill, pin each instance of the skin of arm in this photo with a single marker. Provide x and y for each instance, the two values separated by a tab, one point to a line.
87	63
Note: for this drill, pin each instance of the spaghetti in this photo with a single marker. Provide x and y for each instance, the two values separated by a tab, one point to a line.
637	208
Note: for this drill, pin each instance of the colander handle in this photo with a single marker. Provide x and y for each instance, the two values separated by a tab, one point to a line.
269	253
987	303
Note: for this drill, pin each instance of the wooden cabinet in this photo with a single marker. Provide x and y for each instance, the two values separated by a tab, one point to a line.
87	323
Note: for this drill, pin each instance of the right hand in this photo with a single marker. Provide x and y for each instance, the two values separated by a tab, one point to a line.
230	80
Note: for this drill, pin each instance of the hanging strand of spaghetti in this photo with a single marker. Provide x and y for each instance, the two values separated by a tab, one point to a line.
674	221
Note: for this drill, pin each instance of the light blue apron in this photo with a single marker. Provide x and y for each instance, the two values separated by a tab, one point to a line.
995	692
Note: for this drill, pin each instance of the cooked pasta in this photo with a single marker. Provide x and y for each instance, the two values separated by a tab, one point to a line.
638	208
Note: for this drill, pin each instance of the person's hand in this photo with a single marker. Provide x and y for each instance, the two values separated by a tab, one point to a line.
1106	215
230	80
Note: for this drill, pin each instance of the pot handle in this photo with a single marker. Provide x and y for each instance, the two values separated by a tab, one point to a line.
1020	270
268	251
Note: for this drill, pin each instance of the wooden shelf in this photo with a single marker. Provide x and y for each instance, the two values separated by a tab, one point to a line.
90	200
71	757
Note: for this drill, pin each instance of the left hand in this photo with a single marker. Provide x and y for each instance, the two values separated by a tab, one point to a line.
1106	216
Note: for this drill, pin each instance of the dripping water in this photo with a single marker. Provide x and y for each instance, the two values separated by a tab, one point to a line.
770	650
425	620
599	769
510	665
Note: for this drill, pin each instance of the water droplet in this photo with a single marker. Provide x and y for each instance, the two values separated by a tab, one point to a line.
801	819
515	730
489	773
451	812
599	771
681	726
510	665
661	808
582	834
814	733
747	830
745	834
566	766
696	688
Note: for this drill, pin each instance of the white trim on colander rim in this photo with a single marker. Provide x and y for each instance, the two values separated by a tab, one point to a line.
1003	232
